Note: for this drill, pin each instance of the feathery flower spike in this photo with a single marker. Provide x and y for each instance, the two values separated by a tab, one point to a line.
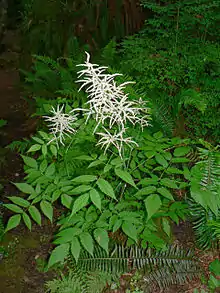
60	124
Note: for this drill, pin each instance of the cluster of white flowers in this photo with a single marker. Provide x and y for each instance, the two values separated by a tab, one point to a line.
107	101
60	124
108	105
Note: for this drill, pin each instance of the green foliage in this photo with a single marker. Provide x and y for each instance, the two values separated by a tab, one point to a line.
51	79
177	19
205	224
205	190
213	283
53	27
2	122
19	146
119	260
78	281
137	195
177	71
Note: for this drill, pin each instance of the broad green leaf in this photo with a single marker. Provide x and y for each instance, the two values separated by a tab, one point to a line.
181	151
37	139
161	160
152	204
125	176
80	189
180	160
69	232
158	135
75	248
130	230
106	188
168	183
186	173
34	148
167	156
95	163
43	134
59	254
199	195
13	222
47	209
19	201
107	168
145	191
27	220
150	154
53	150
35	214
174	217
166	226
95	198
101	236
117	225
25	188
84	158
30	162
14	208
50	170
66	188
117	162
38	189
165	192
87	242
214	267
172	170
80	203
43	166
84	179
66	200
148	181
44	150
56	194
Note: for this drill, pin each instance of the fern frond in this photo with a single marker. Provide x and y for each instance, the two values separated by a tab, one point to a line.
210	170
79	281
123	259
215	225
162	117
206	234
165	277
51	63
19	146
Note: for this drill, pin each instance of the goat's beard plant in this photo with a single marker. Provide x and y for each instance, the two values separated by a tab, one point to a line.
108	105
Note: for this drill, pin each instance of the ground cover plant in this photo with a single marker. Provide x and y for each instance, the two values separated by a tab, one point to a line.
126	148
113	177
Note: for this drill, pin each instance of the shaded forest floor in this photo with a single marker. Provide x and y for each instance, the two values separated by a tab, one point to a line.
20	271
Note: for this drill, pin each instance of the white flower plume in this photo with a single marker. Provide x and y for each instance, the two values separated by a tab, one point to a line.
107	101
60	124
109	105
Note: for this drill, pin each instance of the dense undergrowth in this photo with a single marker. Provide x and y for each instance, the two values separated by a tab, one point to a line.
124	162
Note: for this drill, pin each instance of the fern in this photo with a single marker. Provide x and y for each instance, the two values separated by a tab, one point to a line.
19	146
79	281
164	277
91	274
205	185
206	226
121	260
215	225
